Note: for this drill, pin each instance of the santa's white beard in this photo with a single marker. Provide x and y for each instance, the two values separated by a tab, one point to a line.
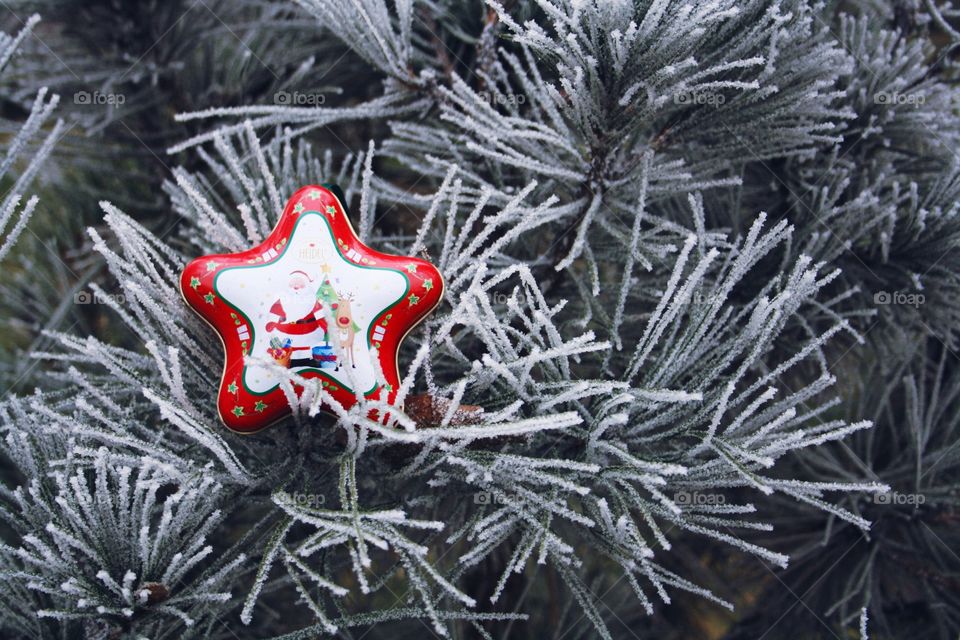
297	305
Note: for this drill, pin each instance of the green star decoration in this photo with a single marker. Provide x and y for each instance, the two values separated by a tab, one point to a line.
297	208
332	210
209	298
212	265
232	387
260	406
414	299
313	194
194	282
412	268
428	284
237	411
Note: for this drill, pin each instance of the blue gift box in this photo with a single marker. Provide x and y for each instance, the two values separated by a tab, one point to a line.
324	357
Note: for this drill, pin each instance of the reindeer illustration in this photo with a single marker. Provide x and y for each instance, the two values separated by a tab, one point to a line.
346	327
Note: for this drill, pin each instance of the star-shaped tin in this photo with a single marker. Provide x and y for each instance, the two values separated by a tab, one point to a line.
312	298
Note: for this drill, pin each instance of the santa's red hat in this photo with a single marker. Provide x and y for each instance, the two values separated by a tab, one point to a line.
301	273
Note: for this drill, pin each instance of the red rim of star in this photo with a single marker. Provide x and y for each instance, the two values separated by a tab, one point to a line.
246	412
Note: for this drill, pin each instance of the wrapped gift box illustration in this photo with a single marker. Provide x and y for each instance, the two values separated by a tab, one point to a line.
324	357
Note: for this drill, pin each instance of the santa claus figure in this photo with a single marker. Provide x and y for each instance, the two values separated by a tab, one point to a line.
299	317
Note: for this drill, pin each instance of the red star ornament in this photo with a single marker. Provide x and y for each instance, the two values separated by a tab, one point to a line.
315	300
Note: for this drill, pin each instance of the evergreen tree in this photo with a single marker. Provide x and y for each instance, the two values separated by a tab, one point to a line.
694	374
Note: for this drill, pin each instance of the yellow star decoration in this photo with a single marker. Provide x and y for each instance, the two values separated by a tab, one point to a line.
332	210
297	208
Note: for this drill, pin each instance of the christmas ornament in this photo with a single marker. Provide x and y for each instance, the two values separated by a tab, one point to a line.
313	299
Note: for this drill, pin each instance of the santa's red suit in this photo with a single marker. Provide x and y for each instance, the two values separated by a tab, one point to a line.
309	323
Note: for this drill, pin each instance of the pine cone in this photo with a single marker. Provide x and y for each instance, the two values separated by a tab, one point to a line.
156	592
429	411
